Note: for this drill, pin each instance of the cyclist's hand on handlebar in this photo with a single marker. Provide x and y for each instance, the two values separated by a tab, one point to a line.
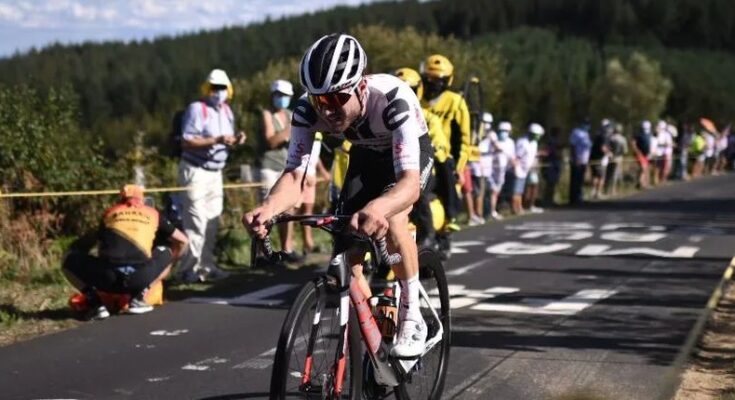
370	222
256	221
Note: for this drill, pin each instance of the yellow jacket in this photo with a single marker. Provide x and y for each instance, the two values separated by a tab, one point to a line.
438	139
452	109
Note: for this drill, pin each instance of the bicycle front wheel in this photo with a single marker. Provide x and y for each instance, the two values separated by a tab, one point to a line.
427	377
290	360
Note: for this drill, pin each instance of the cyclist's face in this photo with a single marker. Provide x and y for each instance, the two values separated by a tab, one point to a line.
338	109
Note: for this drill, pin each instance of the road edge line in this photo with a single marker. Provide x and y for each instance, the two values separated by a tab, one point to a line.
694	335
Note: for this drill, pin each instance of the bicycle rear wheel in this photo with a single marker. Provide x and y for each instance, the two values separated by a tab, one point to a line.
290	358
426	380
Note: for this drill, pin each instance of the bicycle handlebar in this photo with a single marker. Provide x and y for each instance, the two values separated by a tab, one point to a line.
325	222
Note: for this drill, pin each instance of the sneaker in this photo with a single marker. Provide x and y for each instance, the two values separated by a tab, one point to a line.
411	340
476	220
452	226
536	210
496	216
97	313
213	274
291	257
138	305
191	276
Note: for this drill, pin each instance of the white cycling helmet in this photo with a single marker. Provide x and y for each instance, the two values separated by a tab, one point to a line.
536	129
333	63
505	126
282	86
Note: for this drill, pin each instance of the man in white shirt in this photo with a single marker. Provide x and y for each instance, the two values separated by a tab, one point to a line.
497	151
580	145
526	149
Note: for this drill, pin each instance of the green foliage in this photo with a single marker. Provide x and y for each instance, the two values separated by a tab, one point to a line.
632	92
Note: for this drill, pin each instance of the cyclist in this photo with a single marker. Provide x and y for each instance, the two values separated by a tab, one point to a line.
437	73
390	160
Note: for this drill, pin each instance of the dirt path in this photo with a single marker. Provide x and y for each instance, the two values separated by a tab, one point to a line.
710	372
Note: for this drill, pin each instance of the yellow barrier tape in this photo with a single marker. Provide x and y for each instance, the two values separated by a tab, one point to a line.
564	162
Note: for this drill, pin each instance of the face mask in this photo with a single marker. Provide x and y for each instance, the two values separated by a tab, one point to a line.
535	137
281	102
502	135
219	96
434	87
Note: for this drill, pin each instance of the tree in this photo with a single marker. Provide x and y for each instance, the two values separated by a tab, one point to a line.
632	92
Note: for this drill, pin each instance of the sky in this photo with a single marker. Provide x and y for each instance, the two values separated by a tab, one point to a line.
35	23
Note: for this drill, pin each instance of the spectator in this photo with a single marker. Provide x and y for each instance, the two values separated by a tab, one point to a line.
618	149
581	145
552	165
530	194
526	149
642	146
128	260
273	152
721	146
599	158
501	152
710	147
663	153
208	133
683	142
697	152
478	172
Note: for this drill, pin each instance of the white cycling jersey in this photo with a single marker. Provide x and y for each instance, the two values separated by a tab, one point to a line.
393	121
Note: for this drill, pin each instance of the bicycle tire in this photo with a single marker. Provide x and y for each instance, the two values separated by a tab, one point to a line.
428	381
285	377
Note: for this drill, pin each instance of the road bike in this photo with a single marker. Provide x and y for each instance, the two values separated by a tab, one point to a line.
320	353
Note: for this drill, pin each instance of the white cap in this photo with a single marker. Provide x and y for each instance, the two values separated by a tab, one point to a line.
536	129
282	86
487	118
646	125
662	126
605	122
505	126
218	77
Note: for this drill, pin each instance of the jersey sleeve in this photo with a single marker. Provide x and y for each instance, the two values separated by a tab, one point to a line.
404	118
462	117
303	127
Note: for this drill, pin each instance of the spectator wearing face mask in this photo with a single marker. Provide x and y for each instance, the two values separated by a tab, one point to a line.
497	153
273	152
208	132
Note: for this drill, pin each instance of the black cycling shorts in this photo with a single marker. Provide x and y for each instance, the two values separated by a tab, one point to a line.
370	174
114	278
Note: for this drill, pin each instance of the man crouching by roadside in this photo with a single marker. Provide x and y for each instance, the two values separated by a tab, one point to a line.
129	258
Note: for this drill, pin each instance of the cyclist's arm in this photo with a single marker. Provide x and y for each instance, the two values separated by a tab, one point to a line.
399	197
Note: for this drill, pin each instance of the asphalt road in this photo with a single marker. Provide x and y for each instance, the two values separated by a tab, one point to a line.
592	300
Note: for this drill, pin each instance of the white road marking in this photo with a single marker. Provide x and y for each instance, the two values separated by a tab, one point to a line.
466	268
176	332
159	379
459	247
569	305
632	236
545	226
519	248
557	235
263	297
205	364
595	250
